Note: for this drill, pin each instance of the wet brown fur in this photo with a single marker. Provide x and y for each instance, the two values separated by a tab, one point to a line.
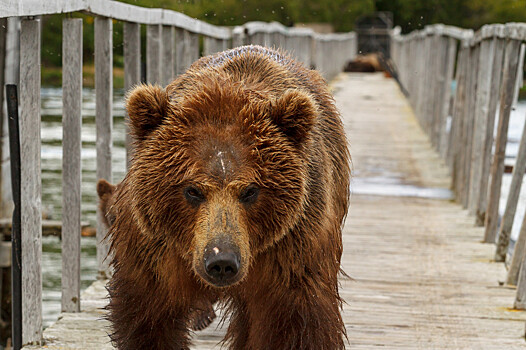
202	316
245	116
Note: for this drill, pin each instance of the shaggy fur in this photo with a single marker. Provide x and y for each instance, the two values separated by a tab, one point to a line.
245	118
201	317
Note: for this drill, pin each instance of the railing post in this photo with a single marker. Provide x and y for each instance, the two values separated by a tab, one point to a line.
446	97
153	54
104	124
509	214
511	60
457	123
520	299
180	44
482	97
496	74
512	201
191	45
132	72
71	164
469	115
31	185
168	48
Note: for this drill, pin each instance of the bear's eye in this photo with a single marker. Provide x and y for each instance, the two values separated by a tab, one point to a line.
194	196
249	194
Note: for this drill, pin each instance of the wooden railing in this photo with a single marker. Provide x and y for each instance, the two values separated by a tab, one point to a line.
172	44
460	123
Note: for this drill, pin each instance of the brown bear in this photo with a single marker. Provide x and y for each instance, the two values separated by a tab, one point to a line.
200	318
237	191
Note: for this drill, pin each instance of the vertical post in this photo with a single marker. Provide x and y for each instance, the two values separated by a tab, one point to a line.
517	259
180	49
512	201
457	121
492	110
153	54
497	168
31	186
104	123
167	67
482	98
450	68
16	234
191	45
71	164
132	72
520	299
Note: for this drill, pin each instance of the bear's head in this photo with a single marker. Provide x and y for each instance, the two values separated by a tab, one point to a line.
219	170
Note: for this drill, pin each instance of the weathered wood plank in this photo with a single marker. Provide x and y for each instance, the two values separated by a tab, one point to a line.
512	202
31	184
113	9
104	122
520	298
71	162
154	49
511	58
168	55
191	48
132	72
180	44
482	98
498	47
446	97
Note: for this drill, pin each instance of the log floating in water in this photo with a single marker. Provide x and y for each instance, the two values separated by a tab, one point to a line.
49	228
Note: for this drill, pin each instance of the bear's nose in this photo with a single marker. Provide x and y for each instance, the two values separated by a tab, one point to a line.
221	265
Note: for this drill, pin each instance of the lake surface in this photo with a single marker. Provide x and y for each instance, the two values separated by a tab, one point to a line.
52	183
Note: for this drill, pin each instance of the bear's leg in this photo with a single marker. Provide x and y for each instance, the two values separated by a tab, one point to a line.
141	320
300	318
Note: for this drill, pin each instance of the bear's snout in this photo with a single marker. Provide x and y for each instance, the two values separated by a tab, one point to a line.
222	262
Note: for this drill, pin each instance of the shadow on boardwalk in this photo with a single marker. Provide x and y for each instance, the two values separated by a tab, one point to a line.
422	279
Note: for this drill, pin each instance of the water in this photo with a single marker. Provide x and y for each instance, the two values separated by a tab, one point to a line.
52	187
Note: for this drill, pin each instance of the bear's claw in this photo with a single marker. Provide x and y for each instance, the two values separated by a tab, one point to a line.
201	319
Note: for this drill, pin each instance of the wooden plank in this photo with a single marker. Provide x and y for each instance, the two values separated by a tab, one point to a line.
191	48
132	73
31	184
457	121
499	47
446	100
180	51
209	46
469	115
154	50
113	9
104	122
71	161
511	58
482	98
509	213
517	264
168	55
520	298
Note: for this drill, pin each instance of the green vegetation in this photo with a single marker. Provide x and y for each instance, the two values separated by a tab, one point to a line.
409	14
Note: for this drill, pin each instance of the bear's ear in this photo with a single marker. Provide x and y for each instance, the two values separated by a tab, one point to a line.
104	188
147	106
294	113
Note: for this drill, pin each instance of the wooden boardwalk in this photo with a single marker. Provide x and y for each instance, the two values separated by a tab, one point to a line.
422	279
